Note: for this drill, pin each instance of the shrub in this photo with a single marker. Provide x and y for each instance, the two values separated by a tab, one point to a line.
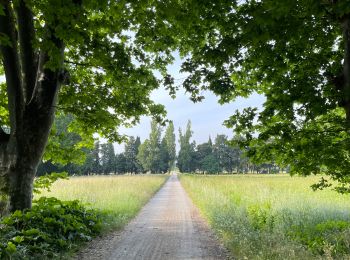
50	227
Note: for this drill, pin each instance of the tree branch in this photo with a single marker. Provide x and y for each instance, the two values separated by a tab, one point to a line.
47	79
26	36
85	64
47	84
11	65
79	63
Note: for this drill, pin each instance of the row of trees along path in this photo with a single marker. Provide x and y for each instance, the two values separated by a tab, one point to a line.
157	154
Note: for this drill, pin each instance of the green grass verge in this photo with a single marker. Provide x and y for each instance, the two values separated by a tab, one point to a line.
273	217
119	197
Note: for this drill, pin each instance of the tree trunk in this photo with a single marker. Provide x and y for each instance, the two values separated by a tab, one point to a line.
24	153
21	179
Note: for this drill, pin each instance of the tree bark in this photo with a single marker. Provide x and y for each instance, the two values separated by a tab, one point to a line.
21	178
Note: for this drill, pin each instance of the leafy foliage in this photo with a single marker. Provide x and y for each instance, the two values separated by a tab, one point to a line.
295	54
45	182
51	226
67	143
100	37
222	156
100	51
120	162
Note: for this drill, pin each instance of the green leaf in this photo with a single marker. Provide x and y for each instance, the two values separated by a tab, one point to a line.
11	248
18	239
31	232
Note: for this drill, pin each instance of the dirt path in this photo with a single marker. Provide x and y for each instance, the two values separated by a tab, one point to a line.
168	227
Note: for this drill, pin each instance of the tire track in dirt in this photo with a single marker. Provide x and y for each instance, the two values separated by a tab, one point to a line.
168	227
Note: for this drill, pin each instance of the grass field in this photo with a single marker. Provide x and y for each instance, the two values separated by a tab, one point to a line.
121	197
273	217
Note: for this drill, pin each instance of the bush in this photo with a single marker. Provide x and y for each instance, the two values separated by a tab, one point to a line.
50	227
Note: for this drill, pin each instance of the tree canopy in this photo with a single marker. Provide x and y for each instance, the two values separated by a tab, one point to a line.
95	48
296	54
105	54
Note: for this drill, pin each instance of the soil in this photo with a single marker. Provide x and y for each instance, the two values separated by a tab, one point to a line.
168	227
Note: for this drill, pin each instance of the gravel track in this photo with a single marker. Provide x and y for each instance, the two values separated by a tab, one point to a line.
168	227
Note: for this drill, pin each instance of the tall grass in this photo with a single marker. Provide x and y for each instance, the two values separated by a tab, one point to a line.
119	197
273	217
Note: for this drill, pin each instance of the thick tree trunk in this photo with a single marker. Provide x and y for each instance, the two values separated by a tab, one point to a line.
24	154
21	179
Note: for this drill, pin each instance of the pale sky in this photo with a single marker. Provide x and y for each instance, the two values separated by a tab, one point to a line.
207	116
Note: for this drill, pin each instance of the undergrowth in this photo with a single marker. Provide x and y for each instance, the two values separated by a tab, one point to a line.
49	228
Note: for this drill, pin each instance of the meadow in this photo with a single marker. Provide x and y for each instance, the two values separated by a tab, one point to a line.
273	216
119	197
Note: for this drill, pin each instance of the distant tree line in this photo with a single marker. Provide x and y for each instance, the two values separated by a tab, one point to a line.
157	154
222	156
